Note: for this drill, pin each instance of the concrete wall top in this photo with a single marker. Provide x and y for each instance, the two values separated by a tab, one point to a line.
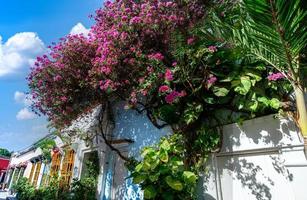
15	160
263	132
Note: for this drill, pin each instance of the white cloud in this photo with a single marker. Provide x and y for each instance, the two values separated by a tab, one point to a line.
25	114
18	52
26	100
23	98
79	29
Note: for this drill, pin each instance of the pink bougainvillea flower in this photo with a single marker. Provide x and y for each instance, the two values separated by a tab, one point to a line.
150	69
211	80
133	98
212	49
57	78
141	80
275	76
156	56
104	85
171	97
168	75
174	64
183	93
106	70
64	99
164	88
144	92
190	41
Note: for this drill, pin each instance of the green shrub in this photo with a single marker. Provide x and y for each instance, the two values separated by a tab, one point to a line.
162	173
24	190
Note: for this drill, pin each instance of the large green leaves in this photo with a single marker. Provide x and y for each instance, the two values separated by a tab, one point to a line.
150	192
161	173
173	183
276	32
189	177
220	91
243	85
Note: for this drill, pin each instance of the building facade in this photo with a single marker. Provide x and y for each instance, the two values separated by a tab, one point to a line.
262	159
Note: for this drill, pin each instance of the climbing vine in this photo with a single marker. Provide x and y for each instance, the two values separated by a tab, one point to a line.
46	145
156	56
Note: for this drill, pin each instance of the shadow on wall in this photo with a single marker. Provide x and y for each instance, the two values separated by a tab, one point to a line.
130	124
261	132
254	176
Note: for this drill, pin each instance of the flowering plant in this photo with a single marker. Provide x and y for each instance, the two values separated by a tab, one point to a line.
155	56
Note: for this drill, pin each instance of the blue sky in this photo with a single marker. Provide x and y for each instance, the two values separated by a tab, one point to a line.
26	28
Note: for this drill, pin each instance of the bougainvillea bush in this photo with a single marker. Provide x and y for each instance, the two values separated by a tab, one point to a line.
154	55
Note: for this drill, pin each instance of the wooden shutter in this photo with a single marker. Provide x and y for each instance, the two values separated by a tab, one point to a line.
36	174
32	172
55	164
67	168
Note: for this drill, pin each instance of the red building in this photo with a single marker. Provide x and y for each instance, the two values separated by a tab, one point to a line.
4	163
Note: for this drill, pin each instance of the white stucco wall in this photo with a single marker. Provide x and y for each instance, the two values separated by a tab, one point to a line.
261	160
25	157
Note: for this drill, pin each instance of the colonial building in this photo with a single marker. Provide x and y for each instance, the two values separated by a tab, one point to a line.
128	132
262	158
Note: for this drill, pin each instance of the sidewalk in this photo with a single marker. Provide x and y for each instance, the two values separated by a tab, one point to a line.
5	194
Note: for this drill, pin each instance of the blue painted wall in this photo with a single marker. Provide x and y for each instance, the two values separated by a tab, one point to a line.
130	124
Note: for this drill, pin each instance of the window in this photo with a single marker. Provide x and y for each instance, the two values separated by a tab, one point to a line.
36	174
15	177
55	164
90	159
67	168
32	172
45	177
21	173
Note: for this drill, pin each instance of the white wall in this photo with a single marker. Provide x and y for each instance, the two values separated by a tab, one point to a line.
261	160
25	157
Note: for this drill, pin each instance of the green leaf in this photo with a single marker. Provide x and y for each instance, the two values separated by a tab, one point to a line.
245	81
154	177
220	91
168	196
275	103
155	164
189	177
147	150
150	192
253	105
209	100
165	145
139	167
164	156
173	183
146	165
139	178
264	100
245	85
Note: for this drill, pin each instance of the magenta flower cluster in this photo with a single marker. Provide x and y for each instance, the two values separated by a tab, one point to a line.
127	51
275	76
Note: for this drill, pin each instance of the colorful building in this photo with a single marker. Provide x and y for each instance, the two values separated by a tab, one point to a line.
4	163
262	158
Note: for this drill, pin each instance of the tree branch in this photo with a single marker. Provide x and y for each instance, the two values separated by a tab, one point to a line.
108	142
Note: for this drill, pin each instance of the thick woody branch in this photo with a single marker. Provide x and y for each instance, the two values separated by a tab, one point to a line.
109	142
